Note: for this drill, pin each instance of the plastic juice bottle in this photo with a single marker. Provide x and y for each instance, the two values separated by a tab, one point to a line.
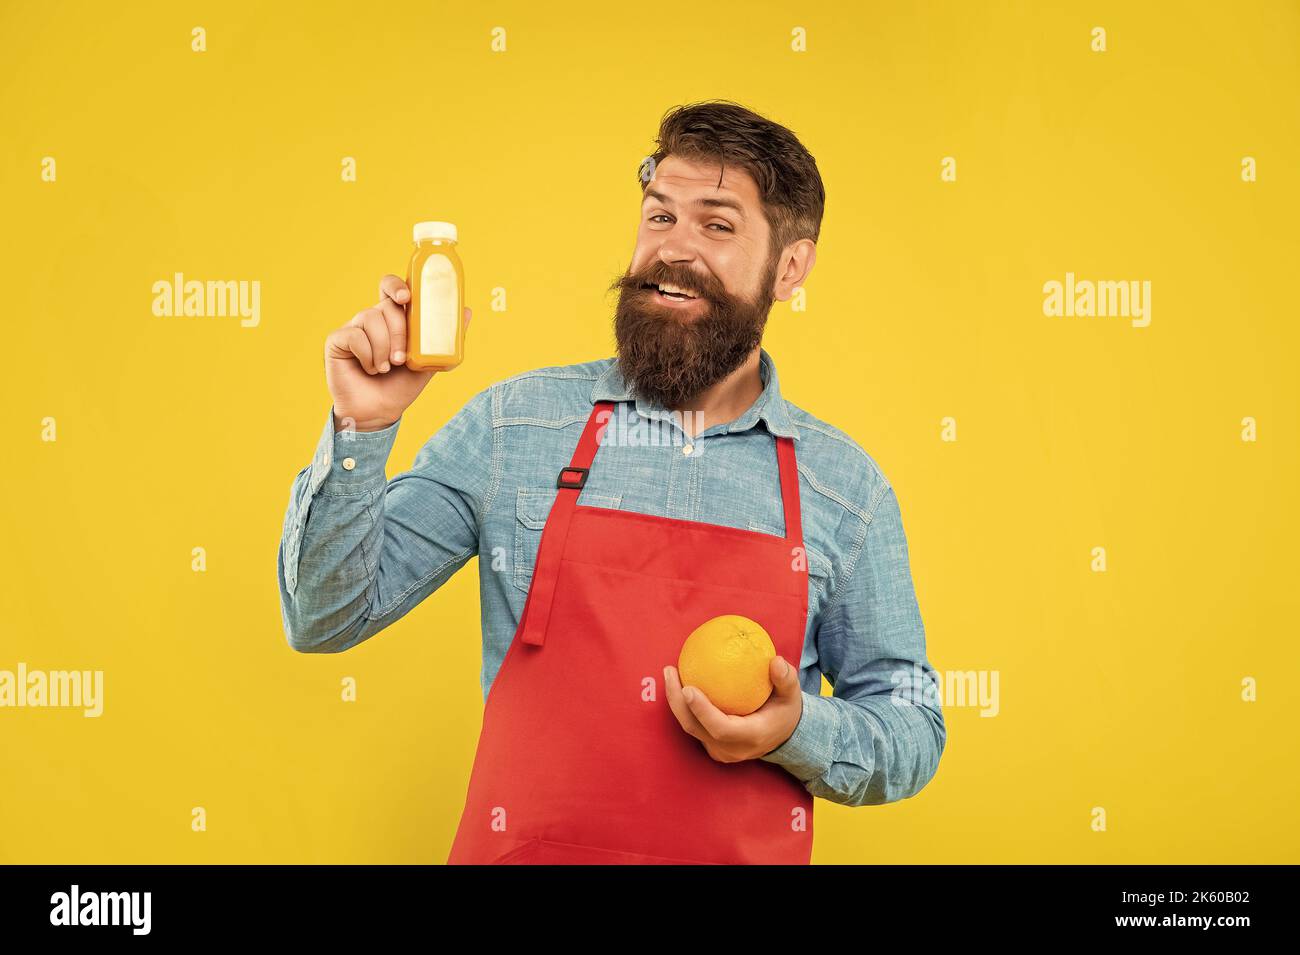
435	317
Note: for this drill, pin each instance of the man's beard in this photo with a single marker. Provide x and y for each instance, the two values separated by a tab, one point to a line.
671	356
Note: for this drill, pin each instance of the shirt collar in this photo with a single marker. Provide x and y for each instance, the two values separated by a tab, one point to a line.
770	407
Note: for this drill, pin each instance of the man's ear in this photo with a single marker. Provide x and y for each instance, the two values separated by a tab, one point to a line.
799	260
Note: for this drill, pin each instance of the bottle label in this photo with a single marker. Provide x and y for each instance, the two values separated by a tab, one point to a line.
438	303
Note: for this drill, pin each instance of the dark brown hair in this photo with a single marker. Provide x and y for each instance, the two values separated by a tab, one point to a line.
722	131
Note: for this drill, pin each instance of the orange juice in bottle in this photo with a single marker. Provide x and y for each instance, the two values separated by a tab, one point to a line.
435	317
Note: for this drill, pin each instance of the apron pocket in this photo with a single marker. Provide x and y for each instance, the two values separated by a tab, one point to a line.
546	852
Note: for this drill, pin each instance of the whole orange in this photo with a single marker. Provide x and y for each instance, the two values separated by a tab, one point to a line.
727	659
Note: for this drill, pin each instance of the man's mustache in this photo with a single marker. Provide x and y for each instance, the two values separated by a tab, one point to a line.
704	288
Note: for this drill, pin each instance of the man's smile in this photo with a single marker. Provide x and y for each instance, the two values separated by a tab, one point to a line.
674	297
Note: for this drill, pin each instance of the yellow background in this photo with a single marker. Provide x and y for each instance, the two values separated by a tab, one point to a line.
1119	690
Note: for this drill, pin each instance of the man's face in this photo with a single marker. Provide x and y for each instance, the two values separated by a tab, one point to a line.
711	240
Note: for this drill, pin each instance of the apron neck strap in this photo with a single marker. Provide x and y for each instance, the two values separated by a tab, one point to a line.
785	460
541	593
588	444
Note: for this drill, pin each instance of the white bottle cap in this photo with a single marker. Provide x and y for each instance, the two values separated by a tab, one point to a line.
435	230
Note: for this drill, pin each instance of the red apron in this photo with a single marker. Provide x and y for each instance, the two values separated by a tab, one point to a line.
580	758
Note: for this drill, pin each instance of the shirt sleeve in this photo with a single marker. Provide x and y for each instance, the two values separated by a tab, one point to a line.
878	739
357	551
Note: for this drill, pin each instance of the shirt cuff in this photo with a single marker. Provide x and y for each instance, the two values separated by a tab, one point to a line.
351	462
810	750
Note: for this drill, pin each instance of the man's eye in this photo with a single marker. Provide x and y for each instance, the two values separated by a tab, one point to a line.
664	215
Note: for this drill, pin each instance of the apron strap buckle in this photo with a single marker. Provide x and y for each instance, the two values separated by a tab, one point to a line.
561	482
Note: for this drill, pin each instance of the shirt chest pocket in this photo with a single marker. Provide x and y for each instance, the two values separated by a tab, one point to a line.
819	567
532	506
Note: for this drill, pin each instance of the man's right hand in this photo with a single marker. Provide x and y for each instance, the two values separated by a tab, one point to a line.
365	366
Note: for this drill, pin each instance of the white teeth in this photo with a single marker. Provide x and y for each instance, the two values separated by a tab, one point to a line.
665	287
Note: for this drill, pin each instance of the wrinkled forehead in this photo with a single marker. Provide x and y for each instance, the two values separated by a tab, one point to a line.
690	179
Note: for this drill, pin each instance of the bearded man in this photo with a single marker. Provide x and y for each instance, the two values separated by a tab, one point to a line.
759	524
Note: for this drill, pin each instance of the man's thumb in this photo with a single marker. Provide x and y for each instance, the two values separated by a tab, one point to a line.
784	676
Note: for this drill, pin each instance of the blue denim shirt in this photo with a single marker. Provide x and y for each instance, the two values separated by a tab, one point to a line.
359	551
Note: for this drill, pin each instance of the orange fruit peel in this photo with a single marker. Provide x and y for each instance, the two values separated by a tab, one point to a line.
727	659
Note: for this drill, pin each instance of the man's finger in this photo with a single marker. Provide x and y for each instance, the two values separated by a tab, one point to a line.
673	687
376	328
716	723
395	288
356	342
395	319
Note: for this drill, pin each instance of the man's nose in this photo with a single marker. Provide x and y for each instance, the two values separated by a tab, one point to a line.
678	247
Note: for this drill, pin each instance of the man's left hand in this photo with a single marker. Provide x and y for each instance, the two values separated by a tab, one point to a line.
730	739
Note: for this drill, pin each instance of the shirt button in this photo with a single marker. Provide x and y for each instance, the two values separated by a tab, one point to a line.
349	464
687	449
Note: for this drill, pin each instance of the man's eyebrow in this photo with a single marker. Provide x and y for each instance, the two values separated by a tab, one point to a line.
707	202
